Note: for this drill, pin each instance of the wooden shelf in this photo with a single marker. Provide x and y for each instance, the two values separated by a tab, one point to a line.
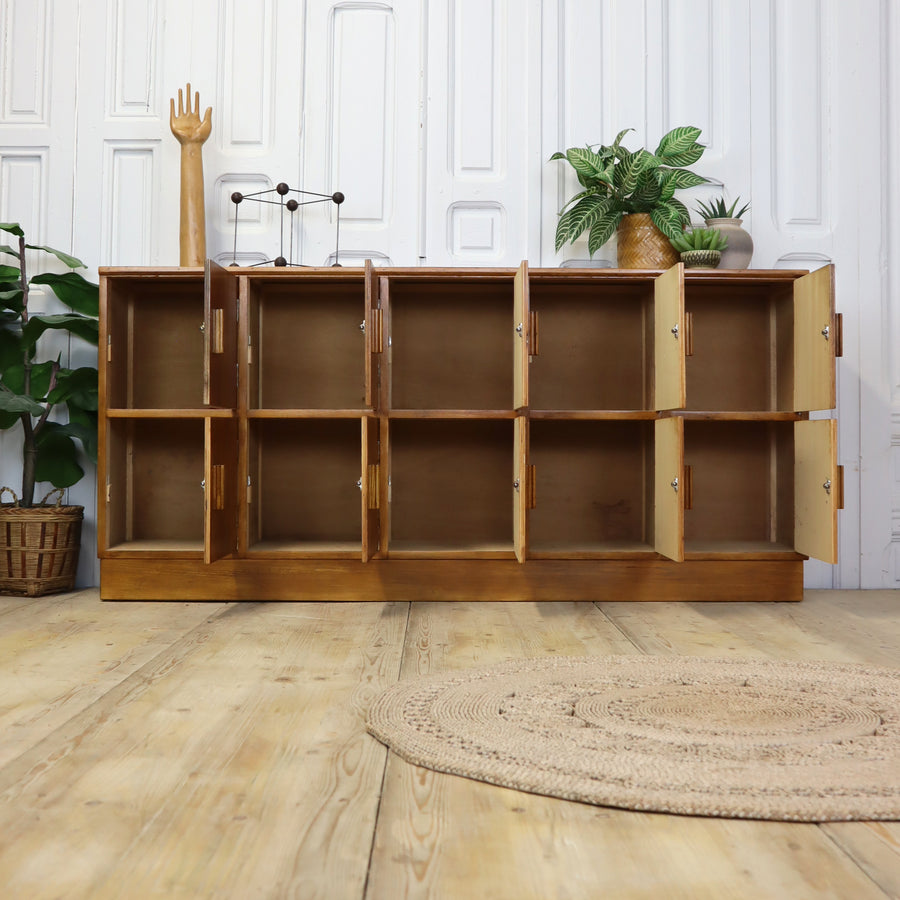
543	433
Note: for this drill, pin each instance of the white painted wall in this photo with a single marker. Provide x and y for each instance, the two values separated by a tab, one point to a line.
437	118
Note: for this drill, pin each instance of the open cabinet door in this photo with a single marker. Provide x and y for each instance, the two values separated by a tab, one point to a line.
382	386
220	482
818	489
374	336
384	491
815	338
220	297
669	340
523	488
371	488
521	337
668	488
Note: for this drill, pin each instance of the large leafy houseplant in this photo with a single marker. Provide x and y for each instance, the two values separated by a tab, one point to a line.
617	182
32	387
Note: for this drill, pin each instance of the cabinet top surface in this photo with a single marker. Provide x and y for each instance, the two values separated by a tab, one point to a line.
428	272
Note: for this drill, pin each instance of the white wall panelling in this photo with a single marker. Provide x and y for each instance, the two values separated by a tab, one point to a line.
801	97
437	118
133	37
131	190
483	153
361	124
25	61
249	92
361	111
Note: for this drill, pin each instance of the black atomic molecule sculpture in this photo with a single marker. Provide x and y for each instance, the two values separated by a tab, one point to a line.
291	206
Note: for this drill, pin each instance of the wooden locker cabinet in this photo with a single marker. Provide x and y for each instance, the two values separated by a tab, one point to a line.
362	433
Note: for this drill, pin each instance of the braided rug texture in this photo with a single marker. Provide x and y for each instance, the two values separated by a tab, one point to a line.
787	741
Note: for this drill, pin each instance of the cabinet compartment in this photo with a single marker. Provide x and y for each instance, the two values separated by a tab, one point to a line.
742	486
155	342
304	492
594	487
451	343
743	346
307	348
155	477
594	343
451	486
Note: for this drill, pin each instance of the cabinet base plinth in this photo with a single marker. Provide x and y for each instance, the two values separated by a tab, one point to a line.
448	580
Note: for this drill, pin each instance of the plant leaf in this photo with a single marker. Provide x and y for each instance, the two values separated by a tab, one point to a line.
581	217
71	261
9	273
12	300
667	219
686	157
82	326
677	141
629	170
41	374
57	456
5	248
77	387
10	349
588	165
682	178
76	292
83	426
12	228
619	136
647	194
602	231
16	403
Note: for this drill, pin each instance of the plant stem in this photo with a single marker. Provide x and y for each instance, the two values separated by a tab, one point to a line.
29	450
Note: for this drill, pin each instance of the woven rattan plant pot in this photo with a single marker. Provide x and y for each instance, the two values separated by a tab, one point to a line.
641	245
38	547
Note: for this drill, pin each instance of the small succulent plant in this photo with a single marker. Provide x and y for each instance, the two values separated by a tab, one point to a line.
699	239
716	209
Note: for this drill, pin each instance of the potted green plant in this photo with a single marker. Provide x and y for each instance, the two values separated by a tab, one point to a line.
729	220
56	410
700	248
631	193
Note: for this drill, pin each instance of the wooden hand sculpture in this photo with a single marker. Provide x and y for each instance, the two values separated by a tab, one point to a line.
191	132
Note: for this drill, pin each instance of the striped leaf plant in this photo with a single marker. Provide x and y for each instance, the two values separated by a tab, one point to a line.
617	181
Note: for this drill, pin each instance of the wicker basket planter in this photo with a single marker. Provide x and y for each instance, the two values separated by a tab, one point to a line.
38	546
642	245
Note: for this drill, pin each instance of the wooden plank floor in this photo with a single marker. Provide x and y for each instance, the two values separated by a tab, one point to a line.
218	750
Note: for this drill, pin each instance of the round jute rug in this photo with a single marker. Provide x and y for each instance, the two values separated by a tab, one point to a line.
790	741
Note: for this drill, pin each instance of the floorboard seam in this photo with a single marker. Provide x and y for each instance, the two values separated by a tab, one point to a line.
847	854
620	629
365	890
